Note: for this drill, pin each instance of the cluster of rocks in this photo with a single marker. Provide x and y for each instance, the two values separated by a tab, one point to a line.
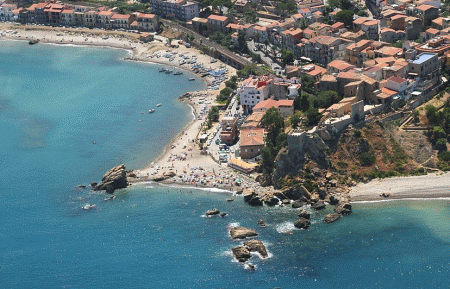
163	176
243	252
298	196
115	178
215	212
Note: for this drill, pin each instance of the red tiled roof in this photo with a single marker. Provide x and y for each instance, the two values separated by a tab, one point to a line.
425	7
218	18
252	137
397	79
120	16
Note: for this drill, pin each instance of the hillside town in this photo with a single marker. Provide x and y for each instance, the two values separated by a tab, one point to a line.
320	65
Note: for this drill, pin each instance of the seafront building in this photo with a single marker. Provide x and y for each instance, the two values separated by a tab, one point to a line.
178	9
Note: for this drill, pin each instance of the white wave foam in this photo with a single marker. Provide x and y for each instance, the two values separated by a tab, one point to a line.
248	267
285	227
233	225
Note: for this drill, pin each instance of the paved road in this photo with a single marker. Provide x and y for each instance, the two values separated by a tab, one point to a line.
232	110
268	60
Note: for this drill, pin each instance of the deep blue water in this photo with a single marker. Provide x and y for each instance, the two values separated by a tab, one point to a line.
55	101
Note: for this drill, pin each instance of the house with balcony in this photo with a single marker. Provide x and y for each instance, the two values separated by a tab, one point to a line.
68	17
6	12
323	49
121	21
254	90
370	28
146	22
183	10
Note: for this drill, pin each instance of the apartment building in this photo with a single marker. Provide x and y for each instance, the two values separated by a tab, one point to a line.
180	9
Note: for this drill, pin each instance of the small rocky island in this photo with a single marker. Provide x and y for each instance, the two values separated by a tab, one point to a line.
115	178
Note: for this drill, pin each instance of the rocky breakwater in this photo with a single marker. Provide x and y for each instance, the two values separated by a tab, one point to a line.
243	252
115	178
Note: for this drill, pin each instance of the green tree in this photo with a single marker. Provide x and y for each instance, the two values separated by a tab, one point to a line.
267	160
287	56
345	16
432	114
256	57
242	43
367	159
313	116
441	144
301	102
294	120
308	83
274	123
326	98
213	114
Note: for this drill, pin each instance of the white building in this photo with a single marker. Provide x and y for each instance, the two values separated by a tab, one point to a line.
6	13
254	90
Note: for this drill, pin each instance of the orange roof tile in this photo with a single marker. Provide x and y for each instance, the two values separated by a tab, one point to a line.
218	18
252	137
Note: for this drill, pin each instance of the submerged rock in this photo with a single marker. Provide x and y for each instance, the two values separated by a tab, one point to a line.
114	179
330	218
261	223
212	212
223	214
93	185
256	246
242	233
302	223
241	253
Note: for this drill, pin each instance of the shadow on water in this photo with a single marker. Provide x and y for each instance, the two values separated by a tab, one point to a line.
33	130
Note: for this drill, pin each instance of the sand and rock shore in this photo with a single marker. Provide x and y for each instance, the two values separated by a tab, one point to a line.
181	163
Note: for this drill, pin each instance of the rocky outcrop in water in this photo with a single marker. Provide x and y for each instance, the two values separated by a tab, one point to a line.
242	233
241	253
330	218
304	214
302	223
256	246
212	212
343	208
115	178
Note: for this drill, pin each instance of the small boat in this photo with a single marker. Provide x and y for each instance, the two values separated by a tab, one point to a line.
178	73
191	79
169	71
158	105
88	207
162	70
151	110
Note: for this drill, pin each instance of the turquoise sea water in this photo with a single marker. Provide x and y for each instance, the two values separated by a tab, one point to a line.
56	101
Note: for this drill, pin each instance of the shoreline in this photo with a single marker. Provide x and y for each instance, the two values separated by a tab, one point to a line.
181	157
430	186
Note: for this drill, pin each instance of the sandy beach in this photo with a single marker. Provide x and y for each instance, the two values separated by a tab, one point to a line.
435	185
182	156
